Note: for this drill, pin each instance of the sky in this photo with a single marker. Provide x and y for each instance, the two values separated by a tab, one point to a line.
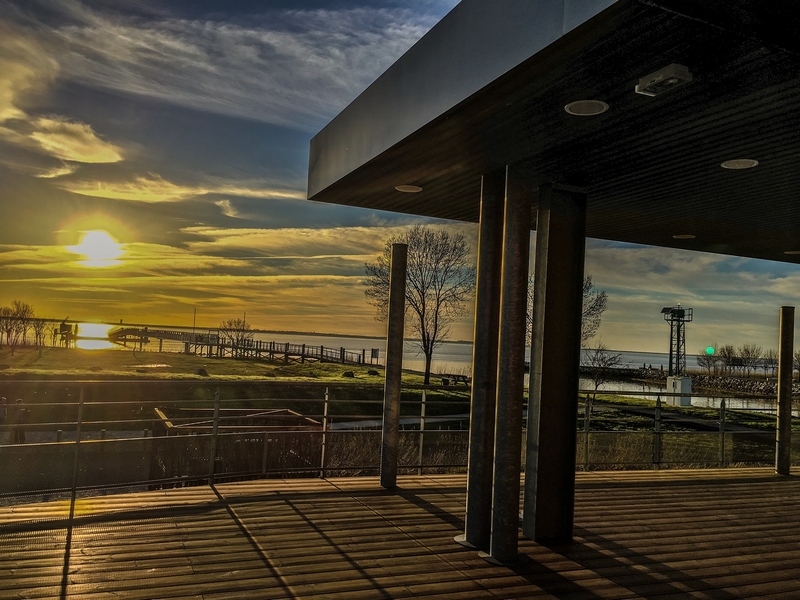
153	164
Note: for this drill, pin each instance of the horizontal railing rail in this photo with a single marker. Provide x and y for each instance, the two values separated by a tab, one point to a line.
333	430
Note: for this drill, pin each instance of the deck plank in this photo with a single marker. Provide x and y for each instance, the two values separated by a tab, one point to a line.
658	534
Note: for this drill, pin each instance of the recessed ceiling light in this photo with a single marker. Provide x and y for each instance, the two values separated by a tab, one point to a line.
739	163
684	236
792	252
408	189
586	108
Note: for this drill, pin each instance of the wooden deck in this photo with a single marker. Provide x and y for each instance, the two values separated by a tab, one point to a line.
669	534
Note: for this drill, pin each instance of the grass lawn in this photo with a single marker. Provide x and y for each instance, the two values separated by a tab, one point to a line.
74	363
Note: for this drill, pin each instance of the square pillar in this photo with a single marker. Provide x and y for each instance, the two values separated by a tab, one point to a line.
393	373
477	525
510	371
783	428
555	366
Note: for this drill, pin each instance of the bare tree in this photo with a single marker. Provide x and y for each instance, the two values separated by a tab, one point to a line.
5	324
769	362
595	303
440	281
11	326
39	327
23	313
709	362
797	362
729	357
750	355
237	333
600	362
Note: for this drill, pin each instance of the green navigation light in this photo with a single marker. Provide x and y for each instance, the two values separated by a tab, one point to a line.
710	350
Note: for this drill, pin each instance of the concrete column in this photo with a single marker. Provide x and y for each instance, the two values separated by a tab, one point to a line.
390	439
510	371
783	429
477	526
555	360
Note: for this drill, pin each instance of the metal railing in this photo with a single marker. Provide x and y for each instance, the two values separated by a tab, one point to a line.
77	442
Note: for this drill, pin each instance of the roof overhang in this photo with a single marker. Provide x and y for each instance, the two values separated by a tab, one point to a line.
487	87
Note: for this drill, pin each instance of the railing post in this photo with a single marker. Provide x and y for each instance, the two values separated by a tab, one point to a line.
587	415
264	455
213	454
421	430
324	435
722	433
657	434
76	459
303	354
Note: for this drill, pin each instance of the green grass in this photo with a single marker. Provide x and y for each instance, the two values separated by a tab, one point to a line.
74	363
755	420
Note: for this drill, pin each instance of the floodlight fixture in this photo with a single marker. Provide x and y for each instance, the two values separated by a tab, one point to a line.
663	80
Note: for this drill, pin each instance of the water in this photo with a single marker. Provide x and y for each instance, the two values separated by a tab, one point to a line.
449	358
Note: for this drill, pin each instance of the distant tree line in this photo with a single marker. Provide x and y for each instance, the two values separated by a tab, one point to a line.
745	360
19	326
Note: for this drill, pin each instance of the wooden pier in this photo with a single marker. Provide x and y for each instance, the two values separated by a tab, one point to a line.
212	343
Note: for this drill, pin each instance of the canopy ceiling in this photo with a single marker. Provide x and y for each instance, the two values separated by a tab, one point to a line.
487	87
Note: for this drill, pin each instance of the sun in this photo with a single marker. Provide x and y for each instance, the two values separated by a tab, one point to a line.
99	248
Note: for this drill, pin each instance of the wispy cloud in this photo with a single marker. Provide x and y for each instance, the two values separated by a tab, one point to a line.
25	69
295	68
60	171
360	243
227	208
154	188
73	141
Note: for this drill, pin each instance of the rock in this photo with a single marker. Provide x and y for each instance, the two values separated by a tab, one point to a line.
348	374
372	372
269	374
201	371
95	368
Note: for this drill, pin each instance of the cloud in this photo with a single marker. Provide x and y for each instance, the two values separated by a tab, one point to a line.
64	169
227	208
73	141
25	69
295	68
153	188
358	243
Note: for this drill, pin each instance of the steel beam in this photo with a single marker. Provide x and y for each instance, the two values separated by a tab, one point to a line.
510	371
555	359
477	525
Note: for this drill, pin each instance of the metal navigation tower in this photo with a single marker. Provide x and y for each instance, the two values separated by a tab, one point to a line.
677	317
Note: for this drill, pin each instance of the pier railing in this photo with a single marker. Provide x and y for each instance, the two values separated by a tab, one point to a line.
75	438
213	343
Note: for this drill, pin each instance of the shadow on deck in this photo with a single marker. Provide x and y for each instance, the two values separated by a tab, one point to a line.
657	534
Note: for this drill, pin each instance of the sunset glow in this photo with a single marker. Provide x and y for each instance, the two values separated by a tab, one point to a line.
99	248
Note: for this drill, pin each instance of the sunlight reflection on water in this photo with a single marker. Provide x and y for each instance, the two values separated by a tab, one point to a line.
93	330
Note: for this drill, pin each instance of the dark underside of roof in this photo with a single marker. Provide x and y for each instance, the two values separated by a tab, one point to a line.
650	165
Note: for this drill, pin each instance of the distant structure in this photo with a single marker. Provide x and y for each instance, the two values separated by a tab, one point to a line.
677	317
